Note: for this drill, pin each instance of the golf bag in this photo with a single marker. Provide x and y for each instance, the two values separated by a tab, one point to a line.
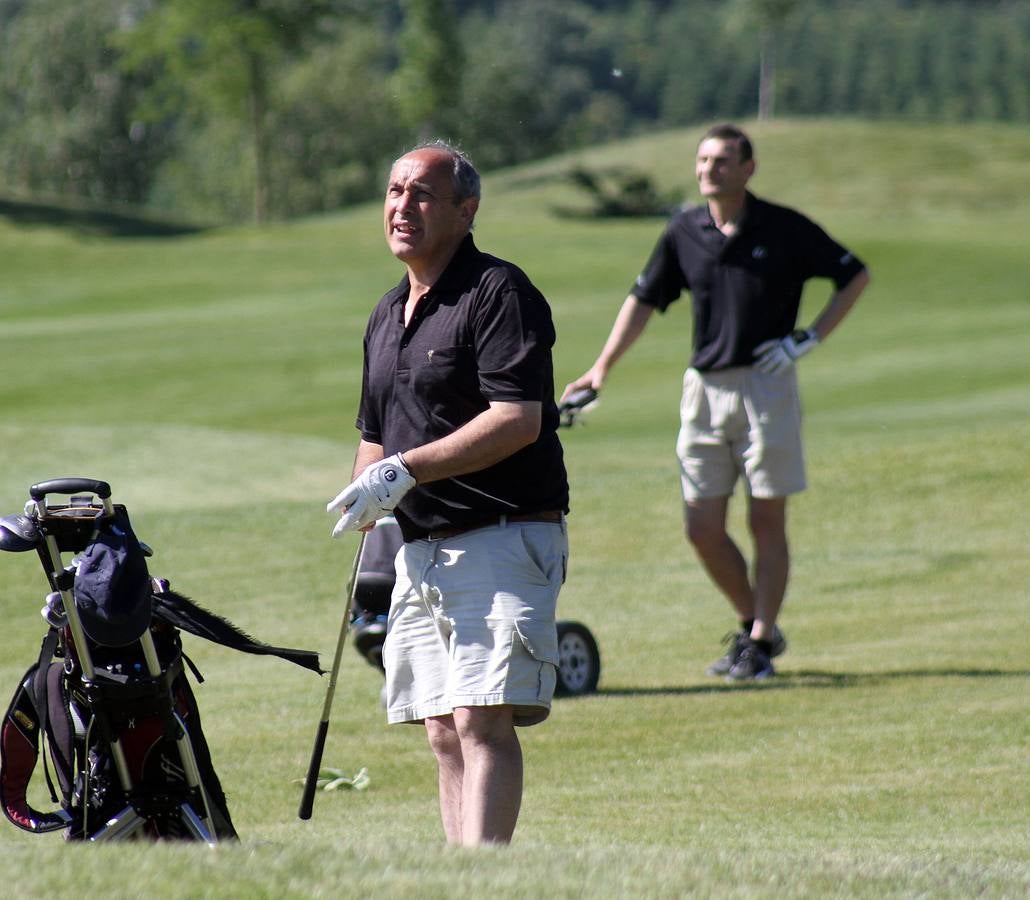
579	660
108	699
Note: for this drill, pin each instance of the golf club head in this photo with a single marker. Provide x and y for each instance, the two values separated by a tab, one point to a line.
575	405
18	534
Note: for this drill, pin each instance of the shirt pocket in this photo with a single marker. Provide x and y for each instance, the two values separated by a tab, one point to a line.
446	379
447	357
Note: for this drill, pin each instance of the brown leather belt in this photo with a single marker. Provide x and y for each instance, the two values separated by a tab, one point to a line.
553	516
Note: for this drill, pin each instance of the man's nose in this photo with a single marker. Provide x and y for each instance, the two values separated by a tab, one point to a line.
403	200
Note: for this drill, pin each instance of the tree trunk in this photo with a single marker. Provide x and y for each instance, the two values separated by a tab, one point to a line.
767	74
258	110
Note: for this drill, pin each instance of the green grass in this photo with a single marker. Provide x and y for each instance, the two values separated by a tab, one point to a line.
212	378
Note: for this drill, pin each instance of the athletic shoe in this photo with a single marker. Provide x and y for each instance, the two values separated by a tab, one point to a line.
779	641
752	664
724	663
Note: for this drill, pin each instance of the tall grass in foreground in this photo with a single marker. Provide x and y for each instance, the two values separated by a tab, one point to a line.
213	381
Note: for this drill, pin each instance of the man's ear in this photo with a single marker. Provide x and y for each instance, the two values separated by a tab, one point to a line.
469	206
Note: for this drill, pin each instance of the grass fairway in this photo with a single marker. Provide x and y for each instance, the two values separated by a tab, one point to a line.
212	378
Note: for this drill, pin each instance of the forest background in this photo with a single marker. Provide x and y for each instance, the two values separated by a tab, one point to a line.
221	111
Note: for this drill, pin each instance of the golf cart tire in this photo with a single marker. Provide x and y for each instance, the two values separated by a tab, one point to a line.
579	661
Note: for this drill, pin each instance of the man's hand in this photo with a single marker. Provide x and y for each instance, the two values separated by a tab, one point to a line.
373	494
588	381
777	357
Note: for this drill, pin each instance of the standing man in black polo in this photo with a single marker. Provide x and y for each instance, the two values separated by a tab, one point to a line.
459	440
745	262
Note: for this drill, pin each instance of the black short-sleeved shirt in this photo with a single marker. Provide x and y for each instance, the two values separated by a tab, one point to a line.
482	333
746	288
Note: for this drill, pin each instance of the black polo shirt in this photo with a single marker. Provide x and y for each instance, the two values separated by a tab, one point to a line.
746	288
482	333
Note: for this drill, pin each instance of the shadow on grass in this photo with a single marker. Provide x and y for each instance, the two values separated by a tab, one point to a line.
91	221
810	678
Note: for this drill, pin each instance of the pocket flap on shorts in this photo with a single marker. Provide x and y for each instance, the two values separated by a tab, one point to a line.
539	640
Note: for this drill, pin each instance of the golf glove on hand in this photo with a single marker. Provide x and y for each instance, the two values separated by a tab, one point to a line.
777	357
373	494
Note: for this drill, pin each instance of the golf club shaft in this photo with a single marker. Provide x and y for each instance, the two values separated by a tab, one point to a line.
307	800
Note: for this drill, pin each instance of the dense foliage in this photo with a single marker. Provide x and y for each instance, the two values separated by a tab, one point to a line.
221	110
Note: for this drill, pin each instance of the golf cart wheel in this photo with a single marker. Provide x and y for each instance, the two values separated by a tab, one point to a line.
579	662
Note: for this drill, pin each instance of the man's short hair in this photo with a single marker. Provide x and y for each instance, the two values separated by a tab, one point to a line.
464	177
728	132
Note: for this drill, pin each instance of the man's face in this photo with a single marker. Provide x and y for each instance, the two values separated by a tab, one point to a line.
423	223
720	171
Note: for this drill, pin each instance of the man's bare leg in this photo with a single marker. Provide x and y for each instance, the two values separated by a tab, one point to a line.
721	557
443	739
768	521
492	783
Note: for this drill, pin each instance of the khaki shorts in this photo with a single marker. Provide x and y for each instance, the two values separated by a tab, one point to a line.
740	423
472	622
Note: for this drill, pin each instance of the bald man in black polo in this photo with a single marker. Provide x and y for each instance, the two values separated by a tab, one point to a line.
459	441
744	262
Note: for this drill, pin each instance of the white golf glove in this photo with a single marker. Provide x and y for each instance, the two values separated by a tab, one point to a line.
777	357
373	494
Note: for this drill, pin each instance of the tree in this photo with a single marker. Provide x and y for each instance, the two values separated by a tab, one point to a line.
284	107
67	118
337	125
429	73
769	16
220	54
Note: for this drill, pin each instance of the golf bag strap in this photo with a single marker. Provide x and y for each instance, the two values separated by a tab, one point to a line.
193	668
183	613
46	653
41	702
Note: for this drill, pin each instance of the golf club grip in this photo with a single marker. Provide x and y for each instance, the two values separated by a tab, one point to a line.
70	486
579	399
307	801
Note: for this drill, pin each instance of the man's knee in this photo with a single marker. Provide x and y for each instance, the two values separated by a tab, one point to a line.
768	521
705	527
484	725
443	737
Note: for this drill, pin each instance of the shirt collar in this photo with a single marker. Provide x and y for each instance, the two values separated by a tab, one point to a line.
466	251
750	215
458	265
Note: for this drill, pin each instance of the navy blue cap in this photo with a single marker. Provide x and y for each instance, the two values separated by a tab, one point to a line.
112	585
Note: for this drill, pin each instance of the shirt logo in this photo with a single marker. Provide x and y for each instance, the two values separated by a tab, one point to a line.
846	258
759	252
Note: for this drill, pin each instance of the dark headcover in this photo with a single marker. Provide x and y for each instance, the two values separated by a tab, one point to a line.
112	584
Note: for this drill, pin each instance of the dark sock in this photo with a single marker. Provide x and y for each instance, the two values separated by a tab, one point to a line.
746	626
